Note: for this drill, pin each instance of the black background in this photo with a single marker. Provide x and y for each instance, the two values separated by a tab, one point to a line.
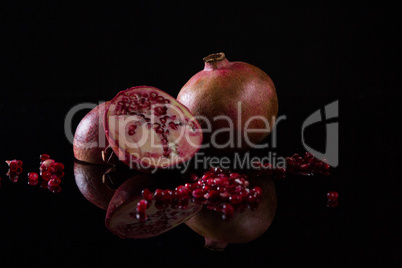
56	54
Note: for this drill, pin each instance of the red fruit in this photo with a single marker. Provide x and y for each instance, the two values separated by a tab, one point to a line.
238	90
33	182
54	182
44	157
142	206
46	175
134	127
235	199
198	193
332	196
90	143
33	176
58	166
47	164
146	193
227	225
13	165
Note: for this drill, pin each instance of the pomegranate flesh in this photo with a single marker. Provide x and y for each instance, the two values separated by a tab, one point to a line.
147	128
232	97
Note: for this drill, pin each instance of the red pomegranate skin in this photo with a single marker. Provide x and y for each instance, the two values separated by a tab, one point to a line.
89	138
220	88
89	181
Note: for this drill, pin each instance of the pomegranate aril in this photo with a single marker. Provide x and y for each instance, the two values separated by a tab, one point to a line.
33	182
12	165
33	176
332	196
235	199
46	175
198	193
54	182
158	194
44	157
212	194
142	206
146	193
326	166
227	210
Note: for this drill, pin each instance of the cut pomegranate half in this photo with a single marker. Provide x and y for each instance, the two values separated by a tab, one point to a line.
148	128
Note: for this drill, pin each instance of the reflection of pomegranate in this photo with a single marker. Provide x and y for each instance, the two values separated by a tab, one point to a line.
89	181
146	127
89	138
156	217
243	226
231	91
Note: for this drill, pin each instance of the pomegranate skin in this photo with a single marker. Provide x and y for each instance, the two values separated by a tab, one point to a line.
89	138
235	89
89	181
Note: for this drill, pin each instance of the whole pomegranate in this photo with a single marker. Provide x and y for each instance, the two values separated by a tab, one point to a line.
90	144
242	226
229	98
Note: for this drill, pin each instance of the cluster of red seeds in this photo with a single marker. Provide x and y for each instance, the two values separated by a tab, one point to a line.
51	172
332	199
306	165
219	190
14	169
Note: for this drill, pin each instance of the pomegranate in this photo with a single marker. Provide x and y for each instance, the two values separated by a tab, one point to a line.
131	215
232	97
147	128
244	224
90	144
91	182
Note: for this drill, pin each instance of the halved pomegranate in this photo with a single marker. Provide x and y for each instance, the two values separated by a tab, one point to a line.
148	128
133	213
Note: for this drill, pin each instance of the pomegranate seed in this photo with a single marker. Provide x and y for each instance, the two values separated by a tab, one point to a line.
33	176
44	157
33	182
234	175
326	166
207	175
58	166
225	195
54	189
212	194
142	206
198	193
52	169
12	165
54	182
304	167
227	210
158	194
146	193
193	177
235	199
46	175
332	196
257	190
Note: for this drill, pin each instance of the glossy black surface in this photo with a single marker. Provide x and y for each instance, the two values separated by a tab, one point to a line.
58	55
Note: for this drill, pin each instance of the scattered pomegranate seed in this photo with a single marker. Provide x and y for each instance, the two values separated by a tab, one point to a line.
44	157
332	196
54	182
46	175
142	206
33	176
146	193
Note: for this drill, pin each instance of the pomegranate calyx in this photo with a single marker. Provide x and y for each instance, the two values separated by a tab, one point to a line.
215	61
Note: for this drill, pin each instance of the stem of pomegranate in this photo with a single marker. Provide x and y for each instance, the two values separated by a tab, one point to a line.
215	61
